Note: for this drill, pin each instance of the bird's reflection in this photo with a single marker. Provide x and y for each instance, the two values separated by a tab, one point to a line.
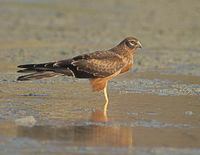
98	131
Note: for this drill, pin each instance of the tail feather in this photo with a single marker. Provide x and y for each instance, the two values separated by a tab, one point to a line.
44	70
26	66
26	70
38	66
37	75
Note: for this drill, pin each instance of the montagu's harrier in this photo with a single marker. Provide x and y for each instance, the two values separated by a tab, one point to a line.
99	67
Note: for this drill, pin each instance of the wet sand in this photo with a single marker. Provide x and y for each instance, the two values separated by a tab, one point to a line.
154	109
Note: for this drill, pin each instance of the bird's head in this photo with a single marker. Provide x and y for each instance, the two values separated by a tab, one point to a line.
131	43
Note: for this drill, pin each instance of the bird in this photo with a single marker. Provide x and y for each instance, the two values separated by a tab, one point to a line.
99	67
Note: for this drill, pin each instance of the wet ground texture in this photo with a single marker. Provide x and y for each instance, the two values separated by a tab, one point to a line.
154	108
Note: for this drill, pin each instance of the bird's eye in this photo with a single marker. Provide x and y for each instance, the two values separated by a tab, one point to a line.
132	43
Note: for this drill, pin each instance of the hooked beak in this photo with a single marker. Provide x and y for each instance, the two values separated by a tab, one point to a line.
139	44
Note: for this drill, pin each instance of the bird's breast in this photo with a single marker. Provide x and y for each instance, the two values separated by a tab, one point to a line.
126	68
129	64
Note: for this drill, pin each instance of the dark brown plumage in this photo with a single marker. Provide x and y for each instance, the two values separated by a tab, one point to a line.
99	66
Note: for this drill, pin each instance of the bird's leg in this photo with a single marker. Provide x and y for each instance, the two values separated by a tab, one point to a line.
106	97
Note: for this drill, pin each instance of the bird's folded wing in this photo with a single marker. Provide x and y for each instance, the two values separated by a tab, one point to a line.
99	64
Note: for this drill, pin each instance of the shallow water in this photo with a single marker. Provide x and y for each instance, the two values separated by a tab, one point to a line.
70	118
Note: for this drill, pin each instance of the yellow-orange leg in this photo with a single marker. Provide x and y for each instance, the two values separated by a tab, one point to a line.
107	101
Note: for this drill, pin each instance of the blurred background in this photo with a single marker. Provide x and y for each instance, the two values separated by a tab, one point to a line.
43	30
154	108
